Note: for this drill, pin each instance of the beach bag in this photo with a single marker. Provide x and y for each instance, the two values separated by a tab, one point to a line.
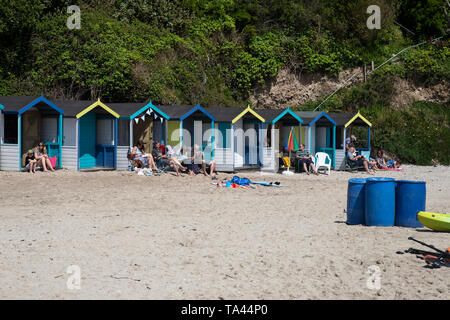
240	181
53	161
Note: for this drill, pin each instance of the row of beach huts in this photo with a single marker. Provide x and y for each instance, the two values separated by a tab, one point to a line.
87	135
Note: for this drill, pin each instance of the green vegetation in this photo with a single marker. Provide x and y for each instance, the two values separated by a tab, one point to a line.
220	51
418	134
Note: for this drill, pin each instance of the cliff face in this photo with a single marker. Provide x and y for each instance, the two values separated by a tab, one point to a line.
289	89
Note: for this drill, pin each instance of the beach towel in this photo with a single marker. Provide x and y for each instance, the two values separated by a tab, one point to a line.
391	169
267	184
240	181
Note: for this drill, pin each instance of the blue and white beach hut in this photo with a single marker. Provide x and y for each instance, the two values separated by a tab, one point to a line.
277	128
344	123
138	121
24	122
318	133
90	135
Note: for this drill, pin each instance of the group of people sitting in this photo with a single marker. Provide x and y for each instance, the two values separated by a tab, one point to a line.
379	163
184	160
304	161
38	158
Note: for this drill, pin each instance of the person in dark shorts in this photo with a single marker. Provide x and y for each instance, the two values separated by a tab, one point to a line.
30	161
162	160
193	168
305	160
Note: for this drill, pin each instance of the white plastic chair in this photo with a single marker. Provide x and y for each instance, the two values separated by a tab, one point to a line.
323	160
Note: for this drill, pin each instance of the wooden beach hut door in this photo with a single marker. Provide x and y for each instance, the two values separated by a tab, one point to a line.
143	130
31	122
87	129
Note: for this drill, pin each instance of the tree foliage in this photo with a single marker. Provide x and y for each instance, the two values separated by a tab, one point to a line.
214	51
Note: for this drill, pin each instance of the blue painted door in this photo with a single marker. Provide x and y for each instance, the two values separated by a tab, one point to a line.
105	156
224	128
251	147
87	140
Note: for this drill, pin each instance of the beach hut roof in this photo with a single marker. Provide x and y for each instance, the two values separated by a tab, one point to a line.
20	104
175	112
341	118
311	117
224	114
128	110
198	111
346	119
15	103
246	112
73	107
274	115
138	108
78	108
96	104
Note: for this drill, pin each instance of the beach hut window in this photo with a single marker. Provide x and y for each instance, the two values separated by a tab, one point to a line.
173	133
157	131
105	131
49	129
69	128
123	133
11	129
223	138
339	138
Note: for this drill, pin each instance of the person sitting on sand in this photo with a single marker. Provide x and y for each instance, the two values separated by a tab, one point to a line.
380	161
138	153
199	158
30	162
305	160
357	160
192	167
41	157
176	156
161	160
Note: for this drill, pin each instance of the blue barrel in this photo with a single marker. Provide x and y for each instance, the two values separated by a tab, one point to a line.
410	197
356	201
380	202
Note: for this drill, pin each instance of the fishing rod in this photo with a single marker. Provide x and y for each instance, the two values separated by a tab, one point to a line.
443	253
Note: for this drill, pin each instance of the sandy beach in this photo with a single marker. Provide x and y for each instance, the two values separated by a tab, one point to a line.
167	237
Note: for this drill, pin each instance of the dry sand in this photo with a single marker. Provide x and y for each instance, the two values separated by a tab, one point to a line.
165	237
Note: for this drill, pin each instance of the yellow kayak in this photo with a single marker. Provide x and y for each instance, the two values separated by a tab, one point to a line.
435	221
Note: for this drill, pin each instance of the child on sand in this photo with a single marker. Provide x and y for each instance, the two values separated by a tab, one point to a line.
30	161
